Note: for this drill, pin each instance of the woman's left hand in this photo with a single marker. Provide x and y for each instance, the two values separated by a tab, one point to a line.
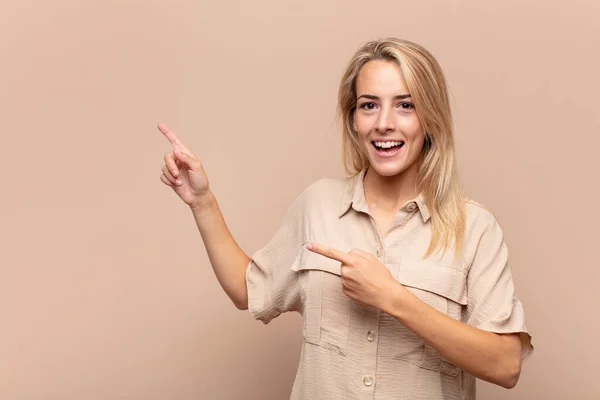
364	278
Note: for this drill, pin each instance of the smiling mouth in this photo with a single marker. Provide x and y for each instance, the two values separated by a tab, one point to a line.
387	147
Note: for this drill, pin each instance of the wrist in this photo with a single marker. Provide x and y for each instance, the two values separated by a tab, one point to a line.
203	203
395	300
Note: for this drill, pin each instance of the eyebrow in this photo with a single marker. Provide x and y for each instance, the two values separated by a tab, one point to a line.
372	97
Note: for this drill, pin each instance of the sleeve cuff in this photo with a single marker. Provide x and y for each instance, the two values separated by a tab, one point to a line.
259	304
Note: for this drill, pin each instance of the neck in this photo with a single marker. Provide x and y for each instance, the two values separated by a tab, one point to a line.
390	192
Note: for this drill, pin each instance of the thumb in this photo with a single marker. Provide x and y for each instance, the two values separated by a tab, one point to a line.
191	162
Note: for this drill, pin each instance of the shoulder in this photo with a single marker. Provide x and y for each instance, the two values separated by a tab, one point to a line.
484	237
324	194
323	191
480	219
327	187
477	210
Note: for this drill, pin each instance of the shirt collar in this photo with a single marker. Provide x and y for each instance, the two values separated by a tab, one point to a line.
354	196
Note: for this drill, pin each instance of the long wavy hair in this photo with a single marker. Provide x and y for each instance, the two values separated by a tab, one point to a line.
438	179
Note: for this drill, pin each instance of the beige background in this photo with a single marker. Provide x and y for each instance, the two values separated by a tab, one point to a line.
105	289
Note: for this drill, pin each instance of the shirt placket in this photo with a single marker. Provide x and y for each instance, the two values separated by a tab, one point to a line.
373	315
369	338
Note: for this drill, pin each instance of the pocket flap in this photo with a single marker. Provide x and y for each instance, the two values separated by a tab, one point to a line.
444	280
308	260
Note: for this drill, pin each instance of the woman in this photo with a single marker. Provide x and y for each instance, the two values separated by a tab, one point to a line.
402	281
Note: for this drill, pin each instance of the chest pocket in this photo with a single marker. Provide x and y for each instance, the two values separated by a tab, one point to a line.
325	307
441	286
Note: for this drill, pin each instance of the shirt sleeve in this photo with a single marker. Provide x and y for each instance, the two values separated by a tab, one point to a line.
272	284
491	303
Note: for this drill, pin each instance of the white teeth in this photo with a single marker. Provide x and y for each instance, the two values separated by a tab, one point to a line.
387	145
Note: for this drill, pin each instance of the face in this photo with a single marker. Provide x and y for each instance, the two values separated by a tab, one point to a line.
389	131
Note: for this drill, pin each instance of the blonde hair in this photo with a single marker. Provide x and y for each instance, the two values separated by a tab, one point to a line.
438	179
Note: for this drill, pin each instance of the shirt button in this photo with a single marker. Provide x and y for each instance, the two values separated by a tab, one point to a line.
370	336
368	380
411	207
378	251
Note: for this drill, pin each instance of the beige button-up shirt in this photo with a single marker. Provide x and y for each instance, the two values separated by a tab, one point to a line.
352	351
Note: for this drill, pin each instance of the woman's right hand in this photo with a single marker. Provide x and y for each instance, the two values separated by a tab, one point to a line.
183	171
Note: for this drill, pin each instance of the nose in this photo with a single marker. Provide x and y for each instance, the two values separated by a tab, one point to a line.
386	121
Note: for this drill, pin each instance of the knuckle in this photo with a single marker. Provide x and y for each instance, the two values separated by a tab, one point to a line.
357	253
346	272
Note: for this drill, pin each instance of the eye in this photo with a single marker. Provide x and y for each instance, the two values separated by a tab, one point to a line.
405	105
369	105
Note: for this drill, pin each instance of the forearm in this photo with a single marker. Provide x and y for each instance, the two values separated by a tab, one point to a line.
486	355
228	260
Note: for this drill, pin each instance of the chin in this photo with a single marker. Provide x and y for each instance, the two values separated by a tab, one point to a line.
387	169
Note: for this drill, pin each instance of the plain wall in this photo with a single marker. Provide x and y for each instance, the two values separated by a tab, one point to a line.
105	287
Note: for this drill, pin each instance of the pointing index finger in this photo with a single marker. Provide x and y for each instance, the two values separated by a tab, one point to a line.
330	252
171	136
